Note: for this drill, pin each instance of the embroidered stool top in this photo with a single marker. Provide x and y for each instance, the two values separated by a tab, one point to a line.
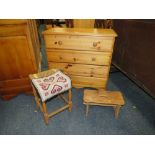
51	85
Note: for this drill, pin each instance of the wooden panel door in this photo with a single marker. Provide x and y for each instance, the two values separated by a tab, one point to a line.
15	59
134	51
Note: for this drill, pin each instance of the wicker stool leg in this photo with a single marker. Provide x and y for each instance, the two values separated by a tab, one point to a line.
45	113
70	99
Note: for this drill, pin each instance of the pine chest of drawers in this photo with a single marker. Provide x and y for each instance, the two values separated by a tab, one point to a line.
85	54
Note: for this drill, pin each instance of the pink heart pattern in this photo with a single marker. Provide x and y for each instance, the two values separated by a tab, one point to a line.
52	85
61	79
51	79
44	86
56	88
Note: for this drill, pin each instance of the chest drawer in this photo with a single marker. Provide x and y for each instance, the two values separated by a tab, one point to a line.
87	57
81	70
79	42
92	82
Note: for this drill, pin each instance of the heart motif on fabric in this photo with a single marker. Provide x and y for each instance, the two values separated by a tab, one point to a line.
56	88
46	80
38	81
44	86
49	80
61	79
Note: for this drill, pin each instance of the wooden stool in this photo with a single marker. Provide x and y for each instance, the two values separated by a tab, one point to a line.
103	98
42	105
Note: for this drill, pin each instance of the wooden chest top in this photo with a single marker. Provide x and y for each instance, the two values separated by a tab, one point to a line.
81	31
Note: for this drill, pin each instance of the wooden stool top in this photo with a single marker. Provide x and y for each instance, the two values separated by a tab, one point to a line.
102	97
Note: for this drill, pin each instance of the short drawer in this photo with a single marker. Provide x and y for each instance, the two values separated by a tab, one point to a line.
79	42
14	83
81	70
12	30
92	82
15	90
81	57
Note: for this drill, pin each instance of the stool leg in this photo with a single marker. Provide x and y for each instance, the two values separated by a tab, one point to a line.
45	113
37	99
70	100
35	96
117	110
87	109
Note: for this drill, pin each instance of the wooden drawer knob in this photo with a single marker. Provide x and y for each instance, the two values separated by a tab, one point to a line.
96	43
60	42
68	65
93	59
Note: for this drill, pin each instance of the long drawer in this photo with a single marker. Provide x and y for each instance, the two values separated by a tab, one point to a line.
81	70
81	57
93	82
79	42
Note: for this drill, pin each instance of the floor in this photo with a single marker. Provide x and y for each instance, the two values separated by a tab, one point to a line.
20	115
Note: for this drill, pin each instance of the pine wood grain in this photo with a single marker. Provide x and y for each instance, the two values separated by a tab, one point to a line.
12	30
81	69
19	55
81	31
83	23
79	42
92	82
102	97
82	57
83	53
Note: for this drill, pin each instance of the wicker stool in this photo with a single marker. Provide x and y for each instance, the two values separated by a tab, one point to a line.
40	102
103	98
